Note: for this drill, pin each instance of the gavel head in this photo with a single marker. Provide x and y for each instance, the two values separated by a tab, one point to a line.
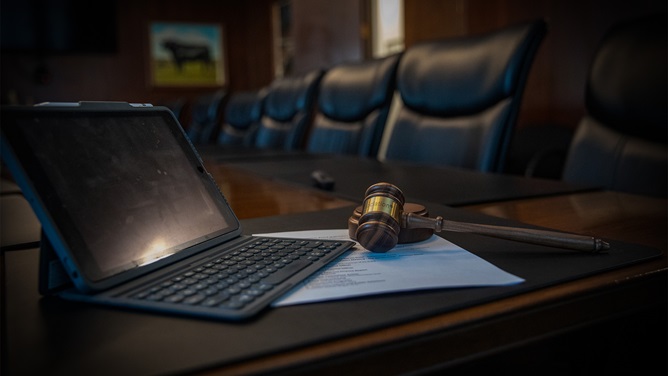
380	223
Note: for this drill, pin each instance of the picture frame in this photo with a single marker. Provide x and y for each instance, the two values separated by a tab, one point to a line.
186	55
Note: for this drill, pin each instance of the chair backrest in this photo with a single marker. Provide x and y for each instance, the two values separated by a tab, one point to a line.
459	98
288	111
241	118
205	117
352	107
620	144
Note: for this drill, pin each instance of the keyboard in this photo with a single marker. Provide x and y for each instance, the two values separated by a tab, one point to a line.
240	282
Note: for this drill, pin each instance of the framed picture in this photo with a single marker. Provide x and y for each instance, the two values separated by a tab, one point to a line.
184	54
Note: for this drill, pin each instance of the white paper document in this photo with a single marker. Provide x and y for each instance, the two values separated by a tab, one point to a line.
433	263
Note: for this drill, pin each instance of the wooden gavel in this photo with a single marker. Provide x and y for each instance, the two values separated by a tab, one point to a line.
382	222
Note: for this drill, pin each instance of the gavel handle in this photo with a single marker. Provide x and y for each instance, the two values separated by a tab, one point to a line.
540	237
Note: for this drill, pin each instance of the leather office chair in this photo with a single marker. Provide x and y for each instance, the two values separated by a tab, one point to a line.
459	98
288	111
353	104
241	118
205	117
620	144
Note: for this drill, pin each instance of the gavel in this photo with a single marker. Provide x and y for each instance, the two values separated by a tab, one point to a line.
385	219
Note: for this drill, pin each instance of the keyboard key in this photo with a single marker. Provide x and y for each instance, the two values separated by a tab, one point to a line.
194	299
215	300
287	271
174	298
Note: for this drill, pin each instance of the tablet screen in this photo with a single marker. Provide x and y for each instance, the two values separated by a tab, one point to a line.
120	187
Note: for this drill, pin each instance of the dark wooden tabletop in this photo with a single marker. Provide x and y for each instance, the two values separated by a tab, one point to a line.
602	315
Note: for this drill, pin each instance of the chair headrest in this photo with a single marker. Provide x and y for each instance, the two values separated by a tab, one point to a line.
288	96
243	109
461	76
349	92
627	86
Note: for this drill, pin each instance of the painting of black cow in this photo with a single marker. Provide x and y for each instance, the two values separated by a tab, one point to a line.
186	54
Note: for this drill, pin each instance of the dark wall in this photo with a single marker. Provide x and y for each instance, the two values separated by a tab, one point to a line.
123	75
326	33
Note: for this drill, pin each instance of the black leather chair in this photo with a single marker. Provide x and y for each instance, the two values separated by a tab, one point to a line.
205	117
288	111
460	98
241	118
621	142
353	104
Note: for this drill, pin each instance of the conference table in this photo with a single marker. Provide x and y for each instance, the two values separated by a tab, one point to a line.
590	313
